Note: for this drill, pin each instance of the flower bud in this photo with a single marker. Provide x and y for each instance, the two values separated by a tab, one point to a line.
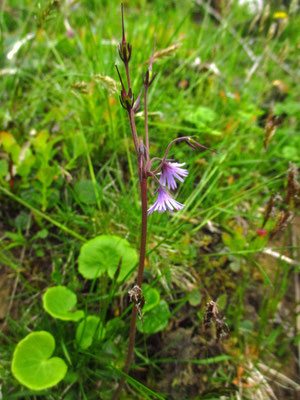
193	144
126	100
137	103
125	51
124	47
150	76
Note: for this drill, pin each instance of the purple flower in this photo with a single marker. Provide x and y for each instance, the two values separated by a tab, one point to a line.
170	171
164	202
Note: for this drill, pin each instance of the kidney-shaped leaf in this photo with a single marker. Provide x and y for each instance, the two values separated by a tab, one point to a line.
32	364
59	301
155	320
89	328
103	254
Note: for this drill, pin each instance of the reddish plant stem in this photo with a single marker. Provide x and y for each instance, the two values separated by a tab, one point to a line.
128	76
131	113
143	231
146	122
139	283
154	177
133	131
194	145
180	139
123	28
143	184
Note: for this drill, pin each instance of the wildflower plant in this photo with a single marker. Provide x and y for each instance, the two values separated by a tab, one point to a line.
166	175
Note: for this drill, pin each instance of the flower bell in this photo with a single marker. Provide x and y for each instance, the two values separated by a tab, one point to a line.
164	202
170	172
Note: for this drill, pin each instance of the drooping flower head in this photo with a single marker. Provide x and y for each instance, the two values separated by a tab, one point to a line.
164	202
170	172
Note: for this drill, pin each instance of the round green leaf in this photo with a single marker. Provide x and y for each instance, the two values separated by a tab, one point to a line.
86	191
88	329
59	301
290	153
103	254
155	320
152	298
235	264
222	301
32	365
195	298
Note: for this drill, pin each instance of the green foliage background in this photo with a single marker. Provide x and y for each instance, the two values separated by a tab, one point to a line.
68	173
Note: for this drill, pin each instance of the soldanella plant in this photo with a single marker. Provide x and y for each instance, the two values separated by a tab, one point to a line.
166	175
109	257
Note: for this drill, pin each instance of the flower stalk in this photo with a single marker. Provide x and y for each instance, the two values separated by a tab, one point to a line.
168	173
129	105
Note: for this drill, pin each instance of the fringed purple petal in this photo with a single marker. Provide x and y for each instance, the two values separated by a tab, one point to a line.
163	202
169	172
